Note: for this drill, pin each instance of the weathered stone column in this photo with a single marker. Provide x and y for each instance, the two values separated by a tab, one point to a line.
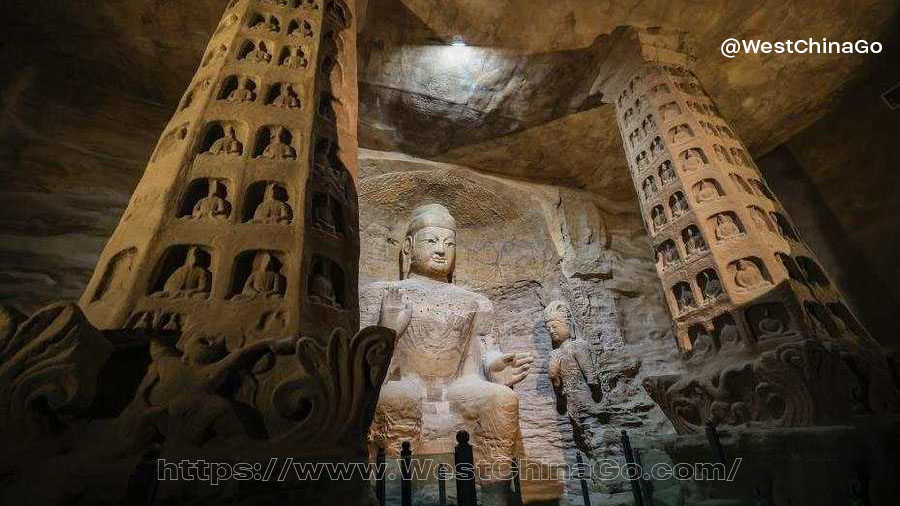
753	311
245	221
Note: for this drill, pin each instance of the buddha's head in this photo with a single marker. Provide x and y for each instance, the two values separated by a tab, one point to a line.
262	261
558	320
430	246
213	187
193	257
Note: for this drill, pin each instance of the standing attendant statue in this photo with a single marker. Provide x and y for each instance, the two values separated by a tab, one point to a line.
574	377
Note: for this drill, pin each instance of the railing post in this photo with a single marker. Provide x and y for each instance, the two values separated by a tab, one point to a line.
465	470
632	470
585	492
712	436
379	476
406	474
443	474
646	485
143	484
763	490
517	482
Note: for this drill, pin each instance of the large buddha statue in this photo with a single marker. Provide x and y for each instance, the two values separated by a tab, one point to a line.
447	372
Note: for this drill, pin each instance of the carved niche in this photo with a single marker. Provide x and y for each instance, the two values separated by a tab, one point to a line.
117	273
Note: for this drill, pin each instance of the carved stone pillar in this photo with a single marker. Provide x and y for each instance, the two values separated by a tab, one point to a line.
245	221
747	296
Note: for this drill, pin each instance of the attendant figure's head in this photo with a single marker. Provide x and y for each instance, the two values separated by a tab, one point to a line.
430	246
558	318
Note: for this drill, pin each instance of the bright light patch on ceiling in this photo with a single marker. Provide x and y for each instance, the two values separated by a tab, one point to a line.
454	55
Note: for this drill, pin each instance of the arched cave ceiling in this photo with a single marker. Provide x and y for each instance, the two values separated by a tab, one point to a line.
514	101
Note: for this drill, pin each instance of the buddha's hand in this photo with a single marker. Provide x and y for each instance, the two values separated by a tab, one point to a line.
511	368
395	313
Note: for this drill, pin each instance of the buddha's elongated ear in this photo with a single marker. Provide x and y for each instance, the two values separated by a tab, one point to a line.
404	259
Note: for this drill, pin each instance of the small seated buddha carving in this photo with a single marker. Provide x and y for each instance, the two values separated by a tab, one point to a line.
667	172
685	298
242	93
659	217
706	191
303	29
649	187
843	329
721	153
212	205
747	275
679	205
227	145
268	24
218	53
759	216
296	58
262	54
264	281
693	159
321	291
668	254
271	210
286	98
713	286
656	148
702	343
693	242
769	326
725	227
642	160
783	228
190	280
669	111
271	25
729	335
323	217
277	148
681	134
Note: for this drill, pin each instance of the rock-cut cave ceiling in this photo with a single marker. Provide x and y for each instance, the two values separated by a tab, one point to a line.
515	100
88	86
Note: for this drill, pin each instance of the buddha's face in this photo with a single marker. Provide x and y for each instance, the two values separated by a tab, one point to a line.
558	325
432	252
